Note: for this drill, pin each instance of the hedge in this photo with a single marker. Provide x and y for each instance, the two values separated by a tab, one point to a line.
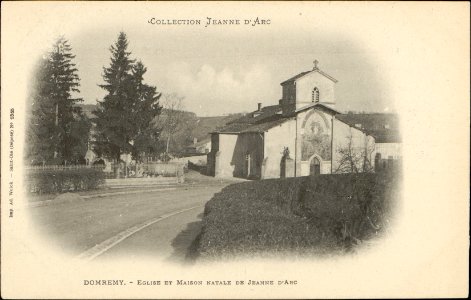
322	214
57	181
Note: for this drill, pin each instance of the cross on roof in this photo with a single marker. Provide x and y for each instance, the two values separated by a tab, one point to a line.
316	62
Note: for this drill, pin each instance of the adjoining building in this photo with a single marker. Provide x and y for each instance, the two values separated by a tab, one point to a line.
198	147
304	135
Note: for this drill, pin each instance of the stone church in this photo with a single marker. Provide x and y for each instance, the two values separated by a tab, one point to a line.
304	135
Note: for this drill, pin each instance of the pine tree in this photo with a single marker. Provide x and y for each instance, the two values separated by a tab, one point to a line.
124	117
57	128
146	108
42	134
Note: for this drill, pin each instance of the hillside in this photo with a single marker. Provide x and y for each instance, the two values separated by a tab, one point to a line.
206	125
192	127
87	109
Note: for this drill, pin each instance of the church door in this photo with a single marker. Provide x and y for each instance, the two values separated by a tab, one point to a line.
315	167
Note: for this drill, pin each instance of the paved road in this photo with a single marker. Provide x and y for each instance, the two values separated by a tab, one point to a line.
148	223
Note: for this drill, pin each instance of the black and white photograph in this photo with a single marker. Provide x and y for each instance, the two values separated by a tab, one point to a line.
234	149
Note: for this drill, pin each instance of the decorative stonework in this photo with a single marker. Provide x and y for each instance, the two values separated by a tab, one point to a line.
316	137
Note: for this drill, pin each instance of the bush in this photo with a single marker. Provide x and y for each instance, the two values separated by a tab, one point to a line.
58	181
321	214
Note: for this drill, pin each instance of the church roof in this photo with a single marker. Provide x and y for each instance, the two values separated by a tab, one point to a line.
257	121
258	116
322	106
262	127
268	117
383	127
233	128
294	78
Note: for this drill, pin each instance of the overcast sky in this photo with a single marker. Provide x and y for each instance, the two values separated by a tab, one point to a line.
227	71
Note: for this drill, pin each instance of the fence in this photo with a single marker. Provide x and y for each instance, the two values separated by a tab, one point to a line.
161	169
61	167
121	170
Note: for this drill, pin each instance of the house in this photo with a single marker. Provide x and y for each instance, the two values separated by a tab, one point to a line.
302	135
203	146
198	147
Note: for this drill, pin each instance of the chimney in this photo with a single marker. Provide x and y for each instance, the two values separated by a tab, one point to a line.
259	106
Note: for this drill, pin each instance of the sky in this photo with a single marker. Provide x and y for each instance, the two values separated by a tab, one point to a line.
225	71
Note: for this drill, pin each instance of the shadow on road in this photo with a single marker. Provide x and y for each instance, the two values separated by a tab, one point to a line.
184	244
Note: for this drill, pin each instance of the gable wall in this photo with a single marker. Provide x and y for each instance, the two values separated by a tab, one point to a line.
303	119
223	155
306	84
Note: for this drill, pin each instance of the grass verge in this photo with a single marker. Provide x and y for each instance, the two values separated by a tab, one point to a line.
308	215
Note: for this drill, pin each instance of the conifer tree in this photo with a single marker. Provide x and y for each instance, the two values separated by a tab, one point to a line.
58	130
124	117
146	108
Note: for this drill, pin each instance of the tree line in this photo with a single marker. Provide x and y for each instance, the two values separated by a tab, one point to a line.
124	122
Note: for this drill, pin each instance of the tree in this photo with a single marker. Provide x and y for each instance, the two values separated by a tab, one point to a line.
124	117
57	130
147	107
172	120
354	158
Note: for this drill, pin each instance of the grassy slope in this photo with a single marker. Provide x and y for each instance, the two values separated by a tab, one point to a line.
321	215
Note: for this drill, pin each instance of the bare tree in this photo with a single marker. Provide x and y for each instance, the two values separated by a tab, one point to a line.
353	158
171	117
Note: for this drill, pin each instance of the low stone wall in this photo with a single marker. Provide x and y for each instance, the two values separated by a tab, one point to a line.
144	181
200	160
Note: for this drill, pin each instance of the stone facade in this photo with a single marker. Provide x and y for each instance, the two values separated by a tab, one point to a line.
314	141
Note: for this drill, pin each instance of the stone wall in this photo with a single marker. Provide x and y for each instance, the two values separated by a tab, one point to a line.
223	157
276	139
236	155
248	155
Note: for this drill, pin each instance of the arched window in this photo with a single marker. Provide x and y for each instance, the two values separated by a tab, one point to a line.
315	95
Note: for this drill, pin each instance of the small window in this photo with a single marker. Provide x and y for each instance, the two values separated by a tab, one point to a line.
315	95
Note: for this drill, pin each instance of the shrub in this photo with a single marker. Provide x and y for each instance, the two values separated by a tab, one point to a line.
321	214
57	181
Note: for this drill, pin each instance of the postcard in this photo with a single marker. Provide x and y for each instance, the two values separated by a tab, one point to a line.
234	150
